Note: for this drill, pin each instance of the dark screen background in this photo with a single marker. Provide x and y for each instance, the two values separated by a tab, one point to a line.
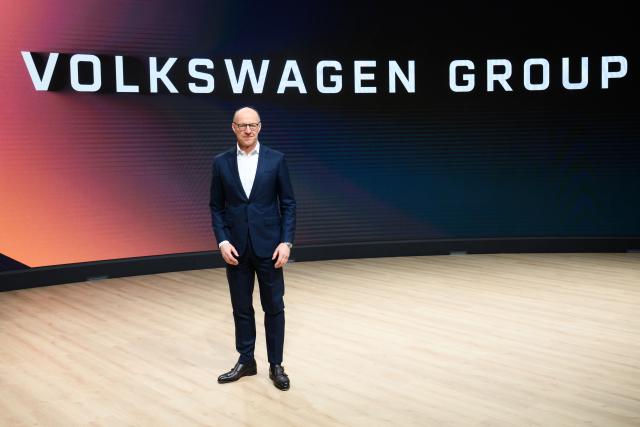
365	167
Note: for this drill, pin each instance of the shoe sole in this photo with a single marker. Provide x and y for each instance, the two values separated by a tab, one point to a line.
248	374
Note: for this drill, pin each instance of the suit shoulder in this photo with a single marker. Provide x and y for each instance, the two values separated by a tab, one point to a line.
220	156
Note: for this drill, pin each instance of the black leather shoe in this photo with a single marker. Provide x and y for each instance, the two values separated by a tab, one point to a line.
279	378
239	371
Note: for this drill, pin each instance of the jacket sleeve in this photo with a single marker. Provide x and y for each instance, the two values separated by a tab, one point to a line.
217	204
287	203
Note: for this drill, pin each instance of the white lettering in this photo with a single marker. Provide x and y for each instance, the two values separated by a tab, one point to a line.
237	83
492	76
607	74
291	66
336	79
120	86
468	78
155	74
359	76
206	77
584	74
409	83
74	64
40	83
544	84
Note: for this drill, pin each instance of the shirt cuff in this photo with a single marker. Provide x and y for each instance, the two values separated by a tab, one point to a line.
224	242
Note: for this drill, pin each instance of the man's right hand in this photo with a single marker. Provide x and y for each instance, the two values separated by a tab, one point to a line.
228	251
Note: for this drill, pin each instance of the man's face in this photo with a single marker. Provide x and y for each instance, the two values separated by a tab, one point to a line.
242	125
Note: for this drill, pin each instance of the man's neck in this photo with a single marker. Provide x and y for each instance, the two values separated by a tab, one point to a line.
249	149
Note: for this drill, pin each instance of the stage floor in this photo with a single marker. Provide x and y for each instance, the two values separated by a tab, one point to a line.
473	340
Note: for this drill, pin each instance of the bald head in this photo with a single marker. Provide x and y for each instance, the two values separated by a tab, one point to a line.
246	125
244	111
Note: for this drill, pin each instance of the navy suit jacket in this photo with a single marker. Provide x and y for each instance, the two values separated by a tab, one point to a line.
267	216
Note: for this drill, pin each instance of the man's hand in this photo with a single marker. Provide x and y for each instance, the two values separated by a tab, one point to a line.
282	252
228	251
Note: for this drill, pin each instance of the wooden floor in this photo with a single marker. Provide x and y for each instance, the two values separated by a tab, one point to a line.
475	340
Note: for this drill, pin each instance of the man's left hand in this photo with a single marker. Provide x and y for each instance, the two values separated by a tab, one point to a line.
282	253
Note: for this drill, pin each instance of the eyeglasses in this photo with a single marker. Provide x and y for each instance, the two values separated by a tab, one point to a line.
252	126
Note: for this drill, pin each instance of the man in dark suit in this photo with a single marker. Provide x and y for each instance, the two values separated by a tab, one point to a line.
253	212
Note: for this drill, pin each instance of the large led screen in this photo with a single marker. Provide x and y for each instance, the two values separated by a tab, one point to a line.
399	123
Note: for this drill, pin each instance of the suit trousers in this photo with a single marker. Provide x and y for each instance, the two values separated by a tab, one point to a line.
241	279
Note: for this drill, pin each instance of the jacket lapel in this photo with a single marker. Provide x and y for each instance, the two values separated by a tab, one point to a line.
233	165
262	158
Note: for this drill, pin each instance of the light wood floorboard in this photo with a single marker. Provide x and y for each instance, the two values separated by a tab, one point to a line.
475	340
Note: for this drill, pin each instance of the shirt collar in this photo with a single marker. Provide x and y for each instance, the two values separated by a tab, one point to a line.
256	150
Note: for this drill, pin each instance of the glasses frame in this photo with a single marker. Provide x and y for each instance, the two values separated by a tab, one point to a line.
244	126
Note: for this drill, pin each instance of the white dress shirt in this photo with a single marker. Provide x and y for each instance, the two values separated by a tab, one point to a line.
247	166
